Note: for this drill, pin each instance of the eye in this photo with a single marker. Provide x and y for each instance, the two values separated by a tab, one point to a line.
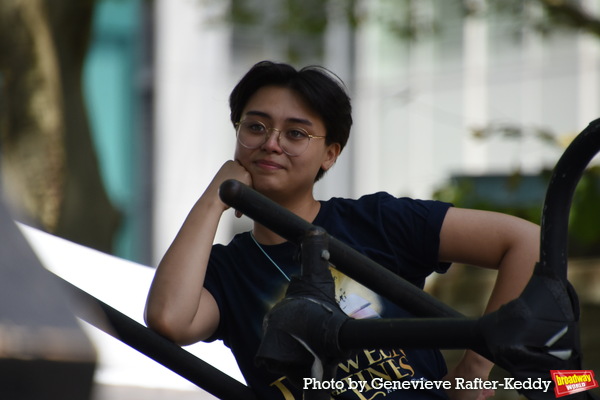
296	134
255	127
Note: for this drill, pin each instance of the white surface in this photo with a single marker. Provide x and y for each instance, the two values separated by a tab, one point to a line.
123	285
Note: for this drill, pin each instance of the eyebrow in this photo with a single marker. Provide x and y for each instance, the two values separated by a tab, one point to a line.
291	119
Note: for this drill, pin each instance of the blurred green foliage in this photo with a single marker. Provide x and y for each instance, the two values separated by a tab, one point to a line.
523	196
406	17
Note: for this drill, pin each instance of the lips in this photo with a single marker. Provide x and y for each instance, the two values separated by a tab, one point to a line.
267	164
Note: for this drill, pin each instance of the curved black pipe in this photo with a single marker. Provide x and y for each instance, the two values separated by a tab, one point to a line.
559	195
420	333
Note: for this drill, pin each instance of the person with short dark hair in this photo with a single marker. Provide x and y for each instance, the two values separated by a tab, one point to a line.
291	127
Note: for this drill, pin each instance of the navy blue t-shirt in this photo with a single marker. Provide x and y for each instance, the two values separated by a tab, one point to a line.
400	234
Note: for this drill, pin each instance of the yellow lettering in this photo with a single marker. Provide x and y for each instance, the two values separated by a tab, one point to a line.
395	352
404	363
376	373
345	389
369	353
361	377
287	395
350	364
385	355
400	373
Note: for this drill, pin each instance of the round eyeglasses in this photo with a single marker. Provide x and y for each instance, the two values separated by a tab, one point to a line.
293	140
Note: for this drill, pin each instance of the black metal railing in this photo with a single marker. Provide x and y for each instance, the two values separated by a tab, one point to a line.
158	348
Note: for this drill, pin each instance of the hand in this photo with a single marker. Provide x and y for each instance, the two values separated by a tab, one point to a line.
470	367
229	170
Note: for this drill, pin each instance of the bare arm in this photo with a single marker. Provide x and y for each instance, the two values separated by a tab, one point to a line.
178	307
490	240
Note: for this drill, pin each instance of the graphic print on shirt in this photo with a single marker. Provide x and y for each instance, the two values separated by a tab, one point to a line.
359	302
354	299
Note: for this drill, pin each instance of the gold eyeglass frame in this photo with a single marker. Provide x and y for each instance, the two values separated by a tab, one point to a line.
267	135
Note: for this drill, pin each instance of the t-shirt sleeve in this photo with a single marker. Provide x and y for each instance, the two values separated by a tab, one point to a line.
214	284
400	234
414	227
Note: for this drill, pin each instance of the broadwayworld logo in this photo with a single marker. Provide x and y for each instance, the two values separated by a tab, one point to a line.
569	382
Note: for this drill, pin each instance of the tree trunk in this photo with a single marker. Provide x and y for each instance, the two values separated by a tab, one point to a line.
49	167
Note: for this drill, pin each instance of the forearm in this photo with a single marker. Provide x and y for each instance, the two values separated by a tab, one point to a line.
515	269
176	292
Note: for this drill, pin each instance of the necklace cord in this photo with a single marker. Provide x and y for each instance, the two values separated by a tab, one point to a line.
268	256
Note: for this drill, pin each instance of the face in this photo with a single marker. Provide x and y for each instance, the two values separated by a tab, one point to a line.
274	173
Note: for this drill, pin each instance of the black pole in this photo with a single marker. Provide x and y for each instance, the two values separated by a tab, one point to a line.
354	264
555	214
151	344
422	333
315	269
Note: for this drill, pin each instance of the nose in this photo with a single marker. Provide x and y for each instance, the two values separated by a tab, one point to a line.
271	143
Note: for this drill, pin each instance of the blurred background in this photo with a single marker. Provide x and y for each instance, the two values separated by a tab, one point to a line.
114	113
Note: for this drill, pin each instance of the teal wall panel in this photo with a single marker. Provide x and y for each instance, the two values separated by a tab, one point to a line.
112	94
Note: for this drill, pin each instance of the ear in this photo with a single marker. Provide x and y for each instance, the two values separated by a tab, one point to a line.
332	152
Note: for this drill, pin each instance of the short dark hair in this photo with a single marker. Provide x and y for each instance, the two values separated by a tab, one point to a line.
322	90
